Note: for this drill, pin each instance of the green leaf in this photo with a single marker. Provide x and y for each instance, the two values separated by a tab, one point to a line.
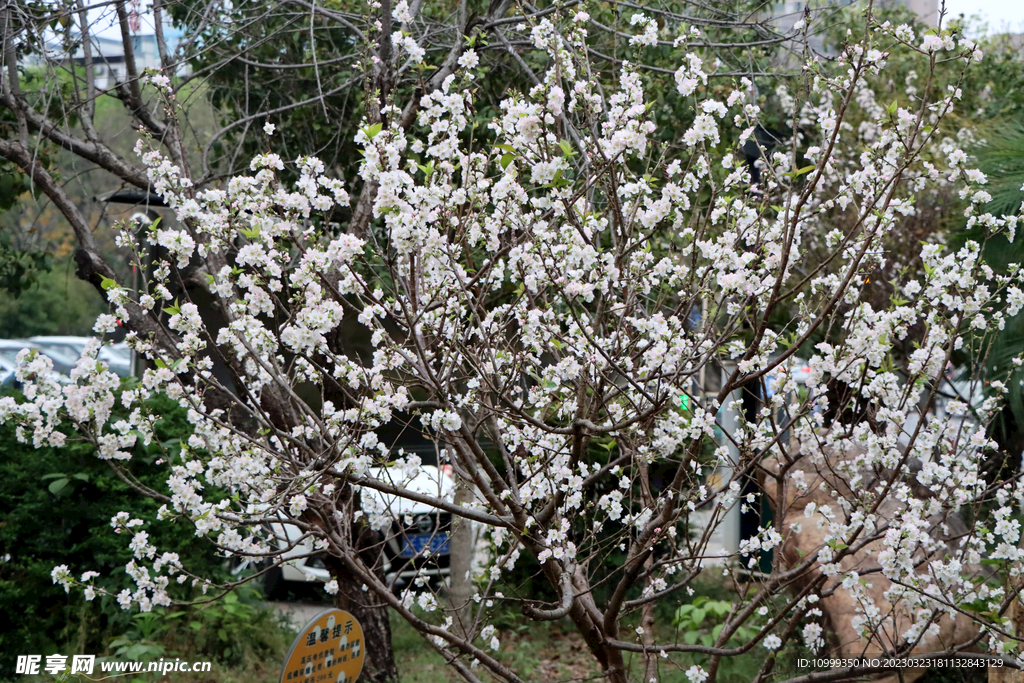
690	637
566	148
506	159
505	148
58	485
799	172
373	130
54	476
107	283
250	233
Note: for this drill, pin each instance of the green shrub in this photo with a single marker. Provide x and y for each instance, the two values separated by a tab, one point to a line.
55	508
238	630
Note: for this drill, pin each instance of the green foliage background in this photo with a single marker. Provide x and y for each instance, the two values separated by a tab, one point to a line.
58	303
55	508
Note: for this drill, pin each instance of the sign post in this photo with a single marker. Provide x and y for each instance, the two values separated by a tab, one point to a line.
328	650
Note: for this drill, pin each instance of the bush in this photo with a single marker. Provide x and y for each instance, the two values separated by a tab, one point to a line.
240	630
55	507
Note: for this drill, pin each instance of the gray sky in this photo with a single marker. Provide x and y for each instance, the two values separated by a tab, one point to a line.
1000	14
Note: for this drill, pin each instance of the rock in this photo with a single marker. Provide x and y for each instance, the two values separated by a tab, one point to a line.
842	607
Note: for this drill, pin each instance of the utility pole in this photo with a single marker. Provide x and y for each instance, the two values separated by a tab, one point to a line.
728	421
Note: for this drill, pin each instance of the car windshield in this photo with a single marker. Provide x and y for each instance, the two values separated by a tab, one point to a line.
64	353
9	354
121	353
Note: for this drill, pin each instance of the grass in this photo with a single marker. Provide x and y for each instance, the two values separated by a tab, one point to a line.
548	652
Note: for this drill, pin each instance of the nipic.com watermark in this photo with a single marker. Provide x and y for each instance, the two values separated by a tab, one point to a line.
87	664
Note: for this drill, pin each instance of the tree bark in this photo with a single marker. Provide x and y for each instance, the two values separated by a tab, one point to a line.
379	664
354	596
460	591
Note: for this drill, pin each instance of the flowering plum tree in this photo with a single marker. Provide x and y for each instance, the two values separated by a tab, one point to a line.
539	294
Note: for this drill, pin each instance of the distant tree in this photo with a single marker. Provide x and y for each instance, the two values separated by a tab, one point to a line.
54	303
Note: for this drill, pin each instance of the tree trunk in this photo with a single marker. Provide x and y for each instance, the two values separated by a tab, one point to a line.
379	663
354	597
460	592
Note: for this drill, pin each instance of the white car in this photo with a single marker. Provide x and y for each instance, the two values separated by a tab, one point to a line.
798	369
9	350
116	356
415	545
6	372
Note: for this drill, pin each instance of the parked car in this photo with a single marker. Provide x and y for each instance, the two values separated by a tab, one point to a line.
10	348
798	369
117	359
7	378
415	545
